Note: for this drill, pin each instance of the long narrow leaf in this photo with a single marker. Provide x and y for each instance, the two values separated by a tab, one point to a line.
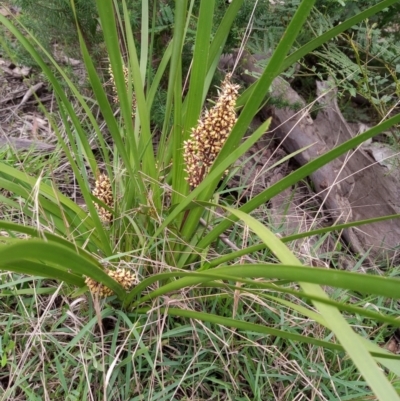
57	255
42	270
45	235
258	247
366	284
195	95
252	327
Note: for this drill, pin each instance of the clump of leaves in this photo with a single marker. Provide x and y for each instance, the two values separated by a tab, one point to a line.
71	243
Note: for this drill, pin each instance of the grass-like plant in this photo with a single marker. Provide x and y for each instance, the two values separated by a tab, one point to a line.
148	206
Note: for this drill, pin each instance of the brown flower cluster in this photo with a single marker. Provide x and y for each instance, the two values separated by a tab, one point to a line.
114	88
103	192
122	276
209	136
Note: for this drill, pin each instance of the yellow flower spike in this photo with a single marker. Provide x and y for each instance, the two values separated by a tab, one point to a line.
114	88
103	192
123	276
210	134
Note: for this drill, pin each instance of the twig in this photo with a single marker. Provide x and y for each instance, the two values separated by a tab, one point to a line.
21	144
33	89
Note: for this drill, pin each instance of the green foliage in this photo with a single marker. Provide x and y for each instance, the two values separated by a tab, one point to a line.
363	62
54	26
338	10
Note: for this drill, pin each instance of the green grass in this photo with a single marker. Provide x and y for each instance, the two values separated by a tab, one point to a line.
53	343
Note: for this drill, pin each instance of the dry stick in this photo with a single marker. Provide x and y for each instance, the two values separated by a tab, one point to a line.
33	89
13	95
26	144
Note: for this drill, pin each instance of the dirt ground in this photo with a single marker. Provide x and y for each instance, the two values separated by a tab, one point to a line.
22	124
